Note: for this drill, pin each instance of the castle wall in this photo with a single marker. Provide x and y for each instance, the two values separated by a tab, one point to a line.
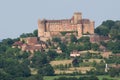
55	28
92	23
79	29
62	27
51	28
86	28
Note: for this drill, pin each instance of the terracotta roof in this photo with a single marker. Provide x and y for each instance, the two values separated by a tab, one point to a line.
18	43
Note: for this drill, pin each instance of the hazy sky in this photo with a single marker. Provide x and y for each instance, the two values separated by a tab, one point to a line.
20	16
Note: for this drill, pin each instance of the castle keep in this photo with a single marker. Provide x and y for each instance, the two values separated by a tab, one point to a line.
50	28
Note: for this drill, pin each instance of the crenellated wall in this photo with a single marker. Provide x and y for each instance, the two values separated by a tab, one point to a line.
50	28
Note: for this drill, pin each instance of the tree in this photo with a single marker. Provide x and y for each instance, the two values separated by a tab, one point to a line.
17	70
84	39
63	47
73	38
56	39
114	72
47	70
102	30
35	33
3	48
25	35
75	62
94	46
35	77
108	23
4	75
39	60
52	54
7	42
87	46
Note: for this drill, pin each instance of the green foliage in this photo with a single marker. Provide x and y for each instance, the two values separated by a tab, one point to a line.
113	46
52	55
94	46
39	60
3	48
4	75
24	35
88	78
63	47
73	38
35	77
63	33
80	78
113	59
66	78
15	65
56	39
114	72
35	33
109	27
75	62
7	41
14	68
102	30
72	47
109	23
84	39
47	70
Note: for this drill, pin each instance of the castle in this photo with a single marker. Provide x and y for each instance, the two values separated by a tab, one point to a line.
50	28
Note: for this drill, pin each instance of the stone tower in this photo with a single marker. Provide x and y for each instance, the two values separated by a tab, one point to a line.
41	28
77	17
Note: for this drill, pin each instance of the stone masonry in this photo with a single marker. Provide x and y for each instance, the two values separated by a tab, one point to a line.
50	28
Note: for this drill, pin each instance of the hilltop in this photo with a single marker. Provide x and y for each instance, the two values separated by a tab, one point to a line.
63	55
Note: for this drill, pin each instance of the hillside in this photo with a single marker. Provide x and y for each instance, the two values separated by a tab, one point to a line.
109	28
63	55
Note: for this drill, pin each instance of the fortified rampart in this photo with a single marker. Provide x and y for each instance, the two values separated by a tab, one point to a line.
50	28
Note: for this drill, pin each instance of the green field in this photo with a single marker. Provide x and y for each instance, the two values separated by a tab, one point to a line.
100	77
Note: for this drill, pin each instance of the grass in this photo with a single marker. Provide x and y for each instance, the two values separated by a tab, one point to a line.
86	66
58	62
81	69
53	63
96	60
74	69
100	77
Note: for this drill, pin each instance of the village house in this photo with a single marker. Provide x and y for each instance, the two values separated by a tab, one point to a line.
74	53
30	44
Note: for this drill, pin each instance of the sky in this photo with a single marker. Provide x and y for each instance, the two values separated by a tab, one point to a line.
21	16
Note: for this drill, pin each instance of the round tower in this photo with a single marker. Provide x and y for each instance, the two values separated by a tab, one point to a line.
77	17
41	28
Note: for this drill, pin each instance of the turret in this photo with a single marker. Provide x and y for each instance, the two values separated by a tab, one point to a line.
77	17
41	28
